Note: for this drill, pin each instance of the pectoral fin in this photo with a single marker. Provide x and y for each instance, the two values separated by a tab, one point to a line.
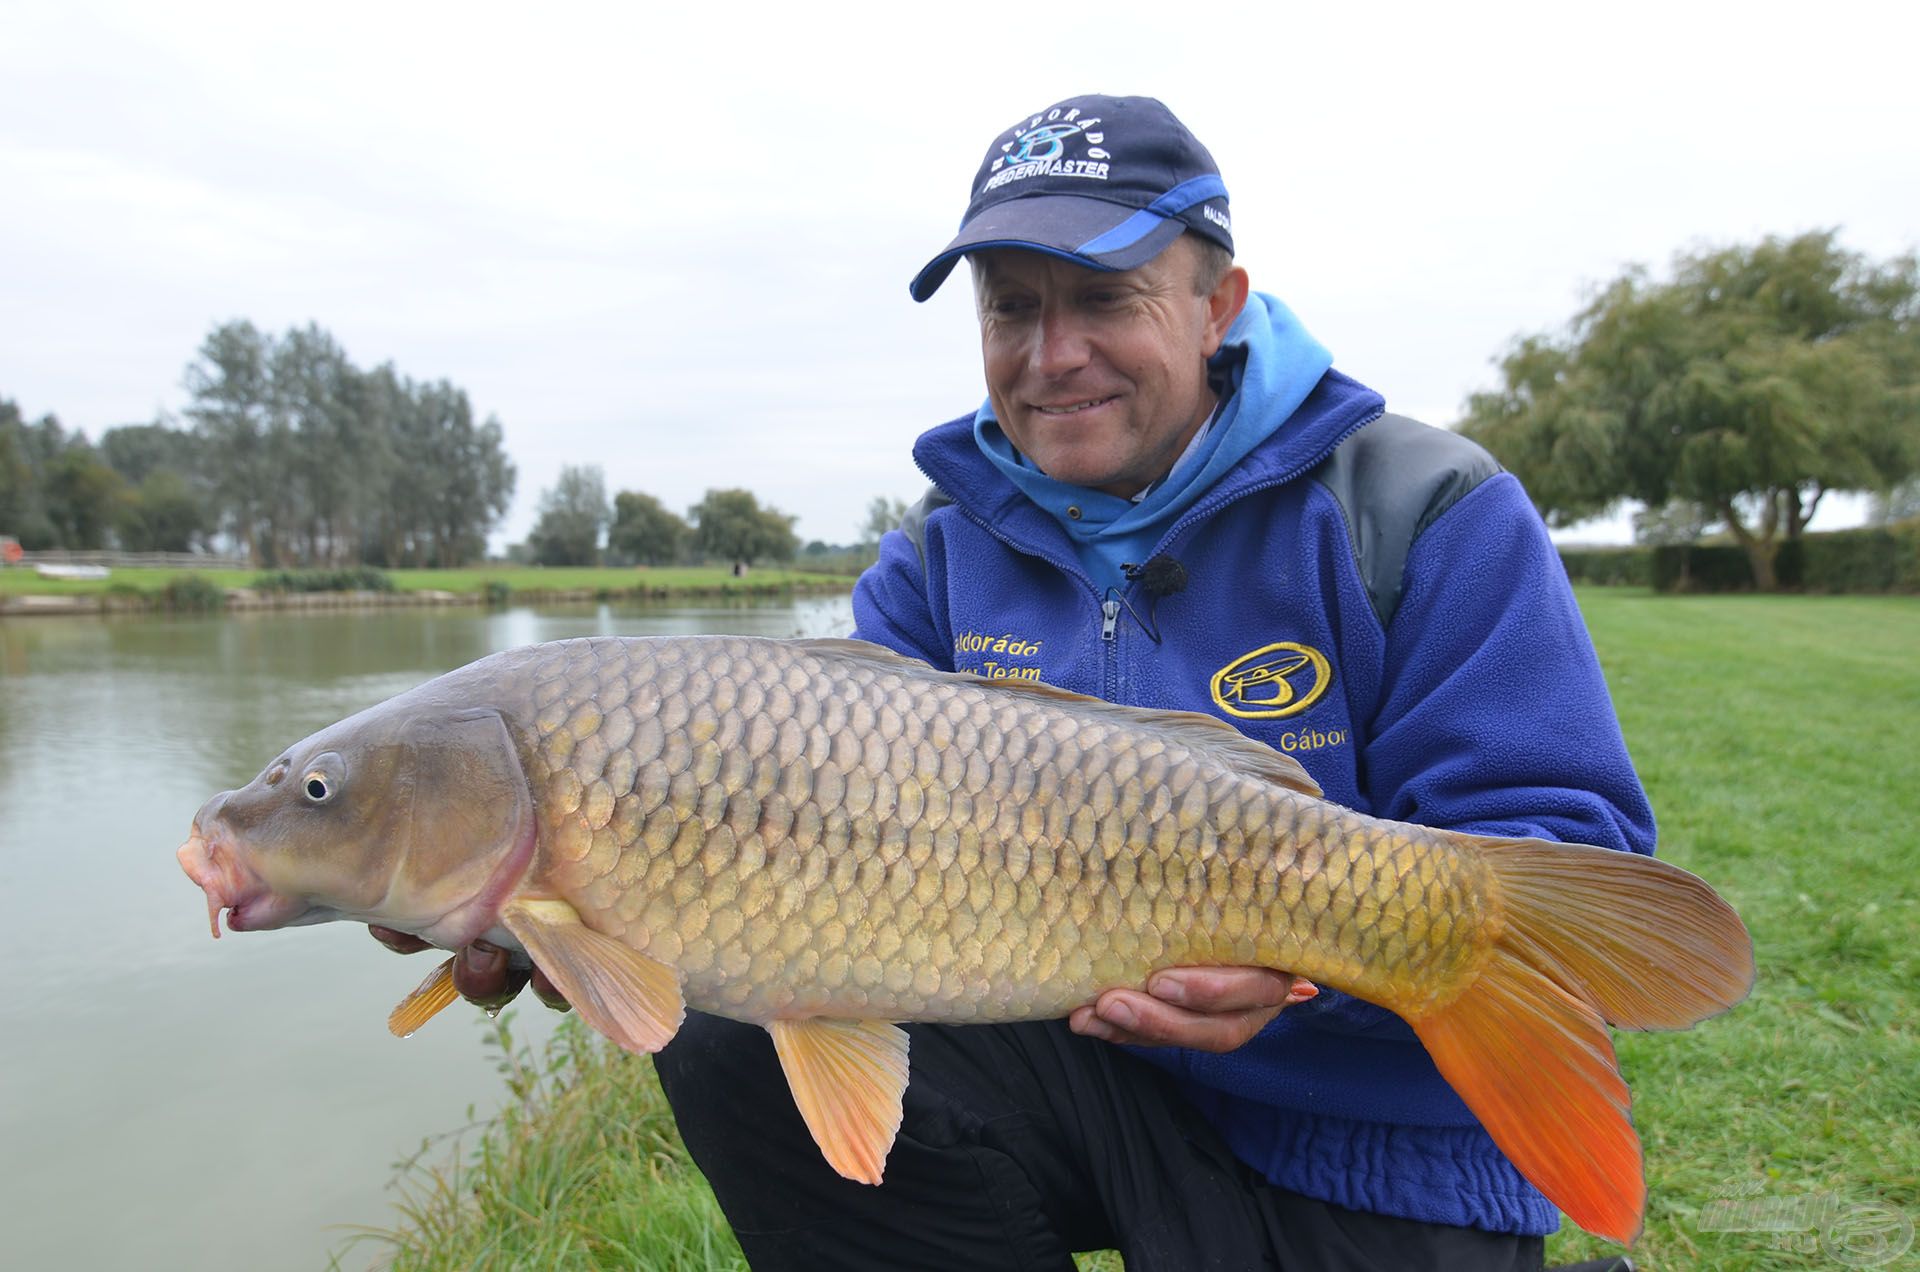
632	999
424	1003
848	1077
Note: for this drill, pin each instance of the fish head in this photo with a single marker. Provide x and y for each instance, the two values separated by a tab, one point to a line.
415	815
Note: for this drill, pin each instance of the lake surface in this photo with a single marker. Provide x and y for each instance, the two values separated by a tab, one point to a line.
167	1101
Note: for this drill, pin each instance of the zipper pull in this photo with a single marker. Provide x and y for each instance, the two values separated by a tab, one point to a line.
1110	609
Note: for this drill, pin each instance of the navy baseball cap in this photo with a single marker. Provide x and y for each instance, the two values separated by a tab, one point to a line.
1105	182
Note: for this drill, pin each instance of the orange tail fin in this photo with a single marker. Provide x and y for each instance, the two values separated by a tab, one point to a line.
1588	938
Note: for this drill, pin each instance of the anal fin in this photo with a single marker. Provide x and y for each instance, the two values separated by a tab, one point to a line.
1535	1065
424	1003
848	1077
632	999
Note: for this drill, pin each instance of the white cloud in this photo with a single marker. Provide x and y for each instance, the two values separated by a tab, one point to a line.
677	243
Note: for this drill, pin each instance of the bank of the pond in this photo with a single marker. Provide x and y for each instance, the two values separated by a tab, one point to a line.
1779	738
228	1105
144	590
583	1169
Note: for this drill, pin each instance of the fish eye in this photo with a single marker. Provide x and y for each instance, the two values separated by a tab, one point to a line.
324	774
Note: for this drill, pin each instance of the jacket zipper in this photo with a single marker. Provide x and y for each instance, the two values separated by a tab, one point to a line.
1110	608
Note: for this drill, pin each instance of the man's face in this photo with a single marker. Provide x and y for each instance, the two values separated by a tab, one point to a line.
1100	378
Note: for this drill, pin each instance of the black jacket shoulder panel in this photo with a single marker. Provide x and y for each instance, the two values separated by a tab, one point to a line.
914	524
1392	480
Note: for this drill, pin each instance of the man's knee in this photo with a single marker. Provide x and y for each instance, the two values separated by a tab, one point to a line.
730	1100
714	1064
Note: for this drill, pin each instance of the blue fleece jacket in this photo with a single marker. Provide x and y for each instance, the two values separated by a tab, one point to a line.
1478	706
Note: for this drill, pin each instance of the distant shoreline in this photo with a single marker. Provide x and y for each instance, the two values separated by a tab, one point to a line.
147	595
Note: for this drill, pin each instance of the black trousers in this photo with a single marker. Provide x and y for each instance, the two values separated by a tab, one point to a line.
1020	1144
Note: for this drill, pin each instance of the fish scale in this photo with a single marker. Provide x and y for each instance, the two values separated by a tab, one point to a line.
824	837
844	806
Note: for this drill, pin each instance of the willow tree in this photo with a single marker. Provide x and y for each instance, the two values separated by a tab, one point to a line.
1753	382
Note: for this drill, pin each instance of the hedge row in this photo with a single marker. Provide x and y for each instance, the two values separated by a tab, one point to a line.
1871	559
1628	566
359	578
1880	559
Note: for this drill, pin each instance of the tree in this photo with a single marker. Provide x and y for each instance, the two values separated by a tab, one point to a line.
309	458
136	451
1674	525
297	454
1753	382
232	408
464	479
55	491
1898	504
169	501
883	514
164	514
573	512
644	530
338	445
83	497
22	512
731	525
402	533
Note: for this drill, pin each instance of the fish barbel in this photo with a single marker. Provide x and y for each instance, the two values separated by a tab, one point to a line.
824	837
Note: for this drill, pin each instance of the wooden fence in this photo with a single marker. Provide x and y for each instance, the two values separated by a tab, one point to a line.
135	560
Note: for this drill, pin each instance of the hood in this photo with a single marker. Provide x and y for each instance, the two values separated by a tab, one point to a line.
1287	411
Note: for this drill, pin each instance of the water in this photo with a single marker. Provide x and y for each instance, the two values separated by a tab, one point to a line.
166	1100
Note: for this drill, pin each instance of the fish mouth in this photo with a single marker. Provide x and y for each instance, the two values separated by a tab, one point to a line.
212	862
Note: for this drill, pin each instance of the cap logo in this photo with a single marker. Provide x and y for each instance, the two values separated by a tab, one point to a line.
1048	135
1039	149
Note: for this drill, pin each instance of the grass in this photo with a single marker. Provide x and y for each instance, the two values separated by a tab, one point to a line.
146	581
1780	740
582	1170
576	579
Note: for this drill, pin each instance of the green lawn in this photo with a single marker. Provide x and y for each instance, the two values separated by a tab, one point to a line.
23	582
1780	739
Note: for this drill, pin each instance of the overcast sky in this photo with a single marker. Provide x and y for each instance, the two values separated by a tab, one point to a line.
678	245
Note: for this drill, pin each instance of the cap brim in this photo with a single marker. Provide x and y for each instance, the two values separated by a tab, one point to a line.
1089	232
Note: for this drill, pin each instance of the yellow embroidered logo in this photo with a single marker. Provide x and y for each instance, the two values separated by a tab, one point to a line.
1272	682
1007	644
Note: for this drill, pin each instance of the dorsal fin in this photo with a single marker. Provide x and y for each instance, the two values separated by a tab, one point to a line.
1194	729
1235	749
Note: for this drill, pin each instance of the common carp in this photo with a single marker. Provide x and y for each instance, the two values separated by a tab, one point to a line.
824	838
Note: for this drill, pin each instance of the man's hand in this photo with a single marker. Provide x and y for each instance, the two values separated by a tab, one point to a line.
480	972
1205	1008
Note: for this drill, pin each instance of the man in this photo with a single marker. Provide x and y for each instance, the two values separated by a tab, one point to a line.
1171	499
